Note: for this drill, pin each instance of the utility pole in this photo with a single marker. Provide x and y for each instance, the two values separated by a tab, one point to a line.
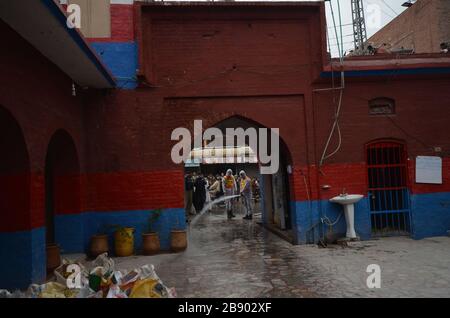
359	27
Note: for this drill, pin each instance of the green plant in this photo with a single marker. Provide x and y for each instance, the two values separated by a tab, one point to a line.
152	219
123	231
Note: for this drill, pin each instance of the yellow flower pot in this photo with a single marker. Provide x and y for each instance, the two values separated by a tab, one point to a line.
124	242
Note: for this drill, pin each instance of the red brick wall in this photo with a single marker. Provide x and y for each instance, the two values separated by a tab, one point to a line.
421	120
257	64
140	190
213	64
122	24
423	27
207	64
39	97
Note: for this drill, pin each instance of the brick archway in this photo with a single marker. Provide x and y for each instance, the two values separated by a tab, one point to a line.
15	226
272	205
62	190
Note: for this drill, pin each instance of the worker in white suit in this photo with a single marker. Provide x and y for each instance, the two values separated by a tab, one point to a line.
246	193
229	188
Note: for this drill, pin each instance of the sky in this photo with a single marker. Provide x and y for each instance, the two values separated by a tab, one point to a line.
382	11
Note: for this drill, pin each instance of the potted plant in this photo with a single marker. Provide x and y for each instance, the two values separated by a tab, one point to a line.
178	239
123	241
99	243
150	238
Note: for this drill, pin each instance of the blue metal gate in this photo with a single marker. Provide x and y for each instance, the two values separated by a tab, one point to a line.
388	188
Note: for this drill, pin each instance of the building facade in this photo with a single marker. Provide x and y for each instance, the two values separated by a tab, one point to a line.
421	28
84	157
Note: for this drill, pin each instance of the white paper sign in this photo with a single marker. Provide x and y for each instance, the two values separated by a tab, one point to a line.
429	170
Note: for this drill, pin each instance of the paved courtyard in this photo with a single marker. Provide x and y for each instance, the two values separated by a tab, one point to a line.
238	258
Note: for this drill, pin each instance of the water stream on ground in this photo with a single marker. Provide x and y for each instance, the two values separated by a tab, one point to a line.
209	205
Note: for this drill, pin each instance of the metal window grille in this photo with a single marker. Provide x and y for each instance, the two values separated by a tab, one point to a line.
388	189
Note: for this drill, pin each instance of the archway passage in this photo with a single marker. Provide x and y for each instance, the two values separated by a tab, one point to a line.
15	226
62	187
14	172
271	192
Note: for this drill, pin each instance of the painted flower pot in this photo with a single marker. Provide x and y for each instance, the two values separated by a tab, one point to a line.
178	240
150	244
53	257
124	242
99	245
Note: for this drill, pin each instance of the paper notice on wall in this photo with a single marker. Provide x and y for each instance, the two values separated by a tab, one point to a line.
429	170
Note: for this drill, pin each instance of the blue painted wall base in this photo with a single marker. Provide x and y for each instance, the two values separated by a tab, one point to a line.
73	232
22	259
430	214
310	229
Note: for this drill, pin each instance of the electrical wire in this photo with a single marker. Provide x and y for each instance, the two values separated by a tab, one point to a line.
387	5
337	113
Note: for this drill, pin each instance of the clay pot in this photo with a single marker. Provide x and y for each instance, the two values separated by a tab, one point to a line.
178	240
99	245
124	242
53	257
150	244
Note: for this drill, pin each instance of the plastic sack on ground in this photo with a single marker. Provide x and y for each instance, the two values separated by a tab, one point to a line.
104	261
53	290
148	271
62	273
99	279
4	293
148	288
116	292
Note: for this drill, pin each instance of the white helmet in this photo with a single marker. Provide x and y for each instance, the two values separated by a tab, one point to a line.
229	172
242	173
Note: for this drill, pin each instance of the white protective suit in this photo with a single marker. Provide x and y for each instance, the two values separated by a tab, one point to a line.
229	188
246	192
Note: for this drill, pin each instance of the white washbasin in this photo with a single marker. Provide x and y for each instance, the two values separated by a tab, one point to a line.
347	199
348	203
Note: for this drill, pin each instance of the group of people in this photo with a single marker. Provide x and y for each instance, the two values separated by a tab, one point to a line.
201	191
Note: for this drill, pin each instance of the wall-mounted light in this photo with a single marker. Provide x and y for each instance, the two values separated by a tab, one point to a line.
289	169
74	90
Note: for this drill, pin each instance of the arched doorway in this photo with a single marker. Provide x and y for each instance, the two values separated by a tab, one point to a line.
274	190
15	225
62	189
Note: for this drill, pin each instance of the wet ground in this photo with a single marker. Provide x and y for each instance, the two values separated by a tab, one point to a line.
234	258
238	258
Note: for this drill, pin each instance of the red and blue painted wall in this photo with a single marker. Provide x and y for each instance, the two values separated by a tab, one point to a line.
119	52
124	199
248	61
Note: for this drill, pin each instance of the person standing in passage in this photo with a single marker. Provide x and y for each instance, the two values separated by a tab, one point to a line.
246	193
214	189
207	194
229	188
189	189
199	193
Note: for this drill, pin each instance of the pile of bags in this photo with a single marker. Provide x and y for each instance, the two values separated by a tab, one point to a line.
100	280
